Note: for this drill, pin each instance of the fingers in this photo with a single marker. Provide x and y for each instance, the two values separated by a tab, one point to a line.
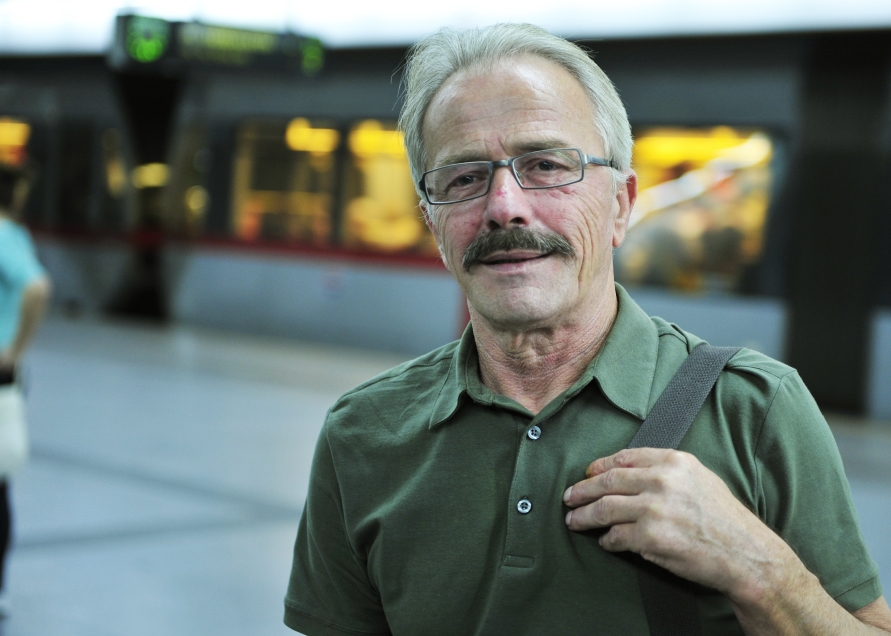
608	511
628	486
616	481
630	472
620	538
630	458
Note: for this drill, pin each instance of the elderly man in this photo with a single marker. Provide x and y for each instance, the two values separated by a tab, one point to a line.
482	488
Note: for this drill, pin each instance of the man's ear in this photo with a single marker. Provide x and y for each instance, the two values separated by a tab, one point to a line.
625	197
428	219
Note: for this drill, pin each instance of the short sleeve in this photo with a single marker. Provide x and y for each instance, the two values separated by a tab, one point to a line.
18	259
329	593
807	499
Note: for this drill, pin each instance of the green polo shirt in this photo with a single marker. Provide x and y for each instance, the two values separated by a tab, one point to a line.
412	525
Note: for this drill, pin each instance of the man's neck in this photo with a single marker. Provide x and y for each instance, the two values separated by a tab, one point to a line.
533	366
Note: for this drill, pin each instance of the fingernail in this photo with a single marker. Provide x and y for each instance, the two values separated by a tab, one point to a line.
567	494
568	517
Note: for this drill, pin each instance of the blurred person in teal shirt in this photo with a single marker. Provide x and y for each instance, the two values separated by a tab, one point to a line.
24	295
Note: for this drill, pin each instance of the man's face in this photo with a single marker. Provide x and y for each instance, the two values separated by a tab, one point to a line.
521	105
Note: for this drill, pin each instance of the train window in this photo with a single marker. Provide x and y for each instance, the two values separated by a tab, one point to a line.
702	202
16	144
187	198
114	190
114	164
18	141
76	169
284	180
381	206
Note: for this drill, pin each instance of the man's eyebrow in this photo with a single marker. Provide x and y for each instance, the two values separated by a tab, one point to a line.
541	144
521	149
462	157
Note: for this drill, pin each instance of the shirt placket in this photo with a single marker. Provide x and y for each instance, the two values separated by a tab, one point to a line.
531	500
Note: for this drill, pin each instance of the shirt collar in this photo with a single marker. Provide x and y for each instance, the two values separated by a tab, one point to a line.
624	368
626	365
455	384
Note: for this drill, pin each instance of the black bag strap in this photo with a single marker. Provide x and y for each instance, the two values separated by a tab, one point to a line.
669	604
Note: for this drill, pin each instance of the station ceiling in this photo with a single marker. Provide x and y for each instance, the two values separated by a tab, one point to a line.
63	27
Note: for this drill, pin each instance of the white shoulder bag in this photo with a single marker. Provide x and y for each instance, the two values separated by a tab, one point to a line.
13	430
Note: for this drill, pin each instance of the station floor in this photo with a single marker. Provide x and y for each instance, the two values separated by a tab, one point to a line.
168	472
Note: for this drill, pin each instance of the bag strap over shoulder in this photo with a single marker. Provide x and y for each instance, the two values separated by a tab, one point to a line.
674	411
669	604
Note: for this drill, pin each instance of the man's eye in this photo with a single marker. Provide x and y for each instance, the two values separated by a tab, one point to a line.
542	165
554	162
464	180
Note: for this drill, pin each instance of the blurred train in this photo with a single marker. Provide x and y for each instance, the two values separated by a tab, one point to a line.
276	198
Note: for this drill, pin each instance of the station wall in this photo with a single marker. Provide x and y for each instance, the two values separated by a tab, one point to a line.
85	276
339	302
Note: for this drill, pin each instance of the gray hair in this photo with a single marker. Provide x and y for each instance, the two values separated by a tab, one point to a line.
437	57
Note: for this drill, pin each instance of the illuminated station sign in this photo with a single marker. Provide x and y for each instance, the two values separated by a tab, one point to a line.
144	43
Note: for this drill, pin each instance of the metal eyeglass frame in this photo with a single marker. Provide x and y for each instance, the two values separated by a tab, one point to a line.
505	163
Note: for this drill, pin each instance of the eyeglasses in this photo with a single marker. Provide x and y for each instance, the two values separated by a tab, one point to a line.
537	170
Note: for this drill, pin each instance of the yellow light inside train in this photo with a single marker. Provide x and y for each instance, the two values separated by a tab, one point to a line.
702	201
14	136
369	138
13	132
115	169
665	148
677	167
115	176
150	175
196	200
302	137
755	150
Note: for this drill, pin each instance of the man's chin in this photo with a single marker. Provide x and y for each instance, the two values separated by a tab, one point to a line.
516	314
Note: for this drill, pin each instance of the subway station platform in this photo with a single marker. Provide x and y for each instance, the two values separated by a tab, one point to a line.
169	468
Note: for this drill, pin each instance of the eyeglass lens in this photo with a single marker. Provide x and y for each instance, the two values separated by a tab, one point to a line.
542	169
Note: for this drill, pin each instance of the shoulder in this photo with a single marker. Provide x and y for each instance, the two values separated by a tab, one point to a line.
18	257
14	230
15	238
406	376
9	232
675	342
399	399
752	384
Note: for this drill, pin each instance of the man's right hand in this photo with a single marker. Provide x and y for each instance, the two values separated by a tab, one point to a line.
669	508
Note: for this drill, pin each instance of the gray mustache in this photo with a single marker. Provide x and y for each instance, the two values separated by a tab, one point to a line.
515	239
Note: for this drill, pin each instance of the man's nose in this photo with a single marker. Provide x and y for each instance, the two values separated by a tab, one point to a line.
507	204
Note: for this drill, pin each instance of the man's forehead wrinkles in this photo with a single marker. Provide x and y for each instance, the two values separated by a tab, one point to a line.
497	115
500	141
505	113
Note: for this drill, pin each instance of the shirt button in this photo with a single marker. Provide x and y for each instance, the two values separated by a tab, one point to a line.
533	433
524	506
